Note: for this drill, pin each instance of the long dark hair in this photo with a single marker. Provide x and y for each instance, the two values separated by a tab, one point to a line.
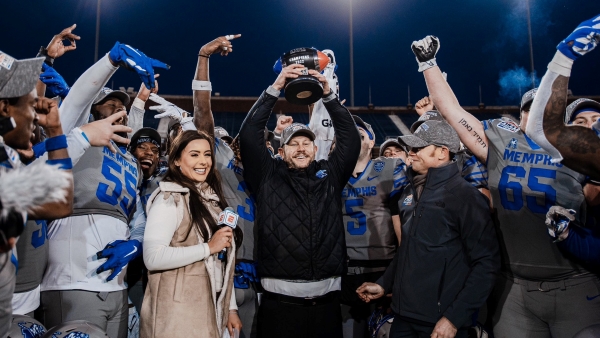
199	213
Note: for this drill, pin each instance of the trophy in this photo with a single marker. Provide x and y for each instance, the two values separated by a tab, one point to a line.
305	89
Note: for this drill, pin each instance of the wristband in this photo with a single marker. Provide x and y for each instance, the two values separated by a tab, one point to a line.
56	143
64	163
561	64
201	85
204	56
44	52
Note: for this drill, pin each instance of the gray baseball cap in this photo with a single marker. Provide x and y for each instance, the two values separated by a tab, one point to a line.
390	142
432	115
365	126
117	94
18	77
296	129
439	133
221	133
528	97
578	106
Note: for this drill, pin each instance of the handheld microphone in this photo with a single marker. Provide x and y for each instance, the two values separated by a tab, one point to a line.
229	218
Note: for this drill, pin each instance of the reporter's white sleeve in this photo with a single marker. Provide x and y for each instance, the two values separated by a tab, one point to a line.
137	225
136	116
75	110
535	122
77	145
161	223
232	302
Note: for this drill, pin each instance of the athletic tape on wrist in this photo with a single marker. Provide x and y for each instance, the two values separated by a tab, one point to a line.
561	64
423	66
64	163
201	85
56	143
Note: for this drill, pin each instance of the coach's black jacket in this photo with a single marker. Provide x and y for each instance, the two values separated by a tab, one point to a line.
299	215
448	258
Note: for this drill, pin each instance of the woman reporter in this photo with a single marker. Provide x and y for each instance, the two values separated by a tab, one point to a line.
189	292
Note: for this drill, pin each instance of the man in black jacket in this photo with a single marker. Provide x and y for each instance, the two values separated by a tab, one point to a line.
301	247
447	263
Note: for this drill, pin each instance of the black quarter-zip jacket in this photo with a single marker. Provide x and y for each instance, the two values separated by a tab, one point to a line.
449	257
298	213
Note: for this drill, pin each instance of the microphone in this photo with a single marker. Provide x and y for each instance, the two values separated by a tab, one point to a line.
229	218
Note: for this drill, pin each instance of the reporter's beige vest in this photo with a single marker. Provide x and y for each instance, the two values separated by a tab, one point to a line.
182	302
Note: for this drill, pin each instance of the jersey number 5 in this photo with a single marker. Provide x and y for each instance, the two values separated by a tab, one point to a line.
533	183
358	215
125	202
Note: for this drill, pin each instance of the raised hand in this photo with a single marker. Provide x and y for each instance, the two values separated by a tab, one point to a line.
424	105
282	123
48	116
166	109
322	79
222	45
54	81
100	133
56	47
582	40
290	72
133	59
425	51
144	93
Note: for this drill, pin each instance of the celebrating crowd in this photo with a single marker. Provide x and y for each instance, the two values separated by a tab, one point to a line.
462	228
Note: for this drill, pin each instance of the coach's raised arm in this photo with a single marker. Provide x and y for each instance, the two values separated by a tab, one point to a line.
301	245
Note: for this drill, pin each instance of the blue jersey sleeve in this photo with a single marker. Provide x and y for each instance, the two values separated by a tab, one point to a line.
400	178
475	173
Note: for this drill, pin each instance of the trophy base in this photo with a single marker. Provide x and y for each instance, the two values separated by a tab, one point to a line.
303	90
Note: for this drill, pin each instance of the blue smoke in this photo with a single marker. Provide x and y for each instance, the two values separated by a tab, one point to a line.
513	84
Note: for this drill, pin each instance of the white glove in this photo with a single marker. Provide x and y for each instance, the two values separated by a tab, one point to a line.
166	108
425	51
558	220
187	123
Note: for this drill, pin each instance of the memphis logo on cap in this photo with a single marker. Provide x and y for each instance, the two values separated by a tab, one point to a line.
228	218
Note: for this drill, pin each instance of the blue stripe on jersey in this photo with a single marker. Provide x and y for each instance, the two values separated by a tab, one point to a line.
532	144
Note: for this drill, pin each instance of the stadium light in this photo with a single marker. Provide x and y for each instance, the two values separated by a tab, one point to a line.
97	32
351	60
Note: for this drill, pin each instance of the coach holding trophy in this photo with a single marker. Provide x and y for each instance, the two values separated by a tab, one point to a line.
301	250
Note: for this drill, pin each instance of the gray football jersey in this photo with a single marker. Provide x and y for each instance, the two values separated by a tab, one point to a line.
106	183
238	197
32	250
369	231
524	184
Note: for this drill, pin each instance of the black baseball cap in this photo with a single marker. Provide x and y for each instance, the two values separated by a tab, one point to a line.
145	135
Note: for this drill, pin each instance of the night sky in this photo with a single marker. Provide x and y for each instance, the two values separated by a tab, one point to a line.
480	39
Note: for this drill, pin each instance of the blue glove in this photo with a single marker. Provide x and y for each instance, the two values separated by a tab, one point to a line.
119	254
134	60
583	39
54	82
245	273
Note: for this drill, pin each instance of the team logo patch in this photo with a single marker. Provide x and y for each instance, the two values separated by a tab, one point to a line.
321	174
512	144
33	331
509	125
379	166
408	200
